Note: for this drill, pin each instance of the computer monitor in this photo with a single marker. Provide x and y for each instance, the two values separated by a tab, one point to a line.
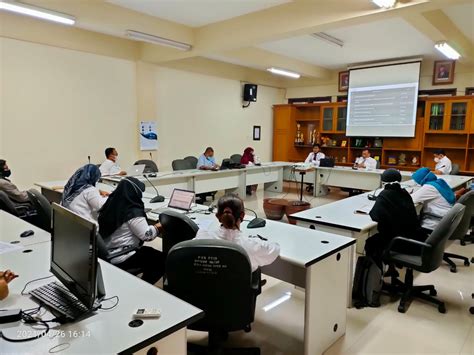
182	199
74	255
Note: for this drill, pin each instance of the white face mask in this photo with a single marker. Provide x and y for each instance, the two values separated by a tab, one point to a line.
436	160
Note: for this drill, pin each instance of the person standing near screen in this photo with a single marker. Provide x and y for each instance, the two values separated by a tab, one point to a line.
443	163
207	161
315	156
110	166
365	161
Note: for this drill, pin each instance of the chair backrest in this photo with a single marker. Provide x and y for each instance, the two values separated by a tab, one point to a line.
102	250
150	165
235	158
215	276
193	161
43	209
454	169
467	200
432	257
177	228
181	164
6	204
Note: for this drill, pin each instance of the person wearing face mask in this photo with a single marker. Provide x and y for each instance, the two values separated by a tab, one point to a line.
443	163
315	156
15	195
110	166
365	161
435	195
250	159
395	215
207	161
230	213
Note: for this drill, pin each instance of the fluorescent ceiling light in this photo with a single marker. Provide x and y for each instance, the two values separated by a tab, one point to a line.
284	73
145	37
328	38
386	4
447	50
37	12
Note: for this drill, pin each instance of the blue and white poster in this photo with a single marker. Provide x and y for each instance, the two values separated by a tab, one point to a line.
148	135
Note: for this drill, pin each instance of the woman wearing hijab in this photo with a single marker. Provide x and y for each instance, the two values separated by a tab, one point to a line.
395	215
249	159
435	195
81	194
123	224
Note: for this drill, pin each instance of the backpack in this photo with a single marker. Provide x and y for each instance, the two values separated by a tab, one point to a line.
368	282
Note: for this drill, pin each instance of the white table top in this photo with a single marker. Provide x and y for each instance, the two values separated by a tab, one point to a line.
11	227
105	331
341	214
363	171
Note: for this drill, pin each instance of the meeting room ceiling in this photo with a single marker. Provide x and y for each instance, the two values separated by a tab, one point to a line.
463	16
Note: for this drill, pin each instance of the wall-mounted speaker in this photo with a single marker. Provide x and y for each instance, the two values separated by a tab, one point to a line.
250	92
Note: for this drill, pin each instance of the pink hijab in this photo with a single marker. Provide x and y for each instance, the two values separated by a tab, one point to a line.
247	157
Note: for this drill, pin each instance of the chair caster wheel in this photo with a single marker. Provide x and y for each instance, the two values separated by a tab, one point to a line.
433	292
463	243
453	269
442	308
247	329
401	309
466	263
471	310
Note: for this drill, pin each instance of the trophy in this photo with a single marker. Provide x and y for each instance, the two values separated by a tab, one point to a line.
402	159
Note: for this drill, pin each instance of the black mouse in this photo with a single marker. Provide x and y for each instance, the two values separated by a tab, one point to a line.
27	233
257	223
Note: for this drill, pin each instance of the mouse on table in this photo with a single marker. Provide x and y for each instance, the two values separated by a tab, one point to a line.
257	223
27	233
152	175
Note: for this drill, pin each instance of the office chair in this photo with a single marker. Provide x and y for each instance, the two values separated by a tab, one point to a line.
177	228
150	165
470	236
43	209
23	211
215	276
235	158
104	254
454	169
427	260
193	161
181	164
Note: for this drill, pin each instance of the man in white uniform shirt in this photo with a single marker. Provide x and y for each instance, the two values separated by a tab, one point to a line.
315	156
110	165
366	161
443	163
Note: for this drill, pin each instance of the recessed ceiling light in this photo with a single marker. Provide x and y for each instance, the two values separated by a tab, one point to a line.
447	50
385	4
38	12
284	73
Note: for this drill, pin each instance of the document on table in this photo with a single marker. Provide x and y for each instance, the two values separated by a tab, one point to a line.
364	209
8	247
205	223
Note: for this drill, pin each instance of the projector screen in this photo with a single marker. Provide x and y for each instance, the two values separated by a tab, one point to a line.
382	101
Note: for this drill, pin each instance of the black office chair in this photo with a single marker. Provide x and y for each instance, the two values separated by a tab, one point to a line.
150	165
470	205
427	260
104	254
177	228
43	209
193	161
23	211
235	158
454	169
181	164
215	276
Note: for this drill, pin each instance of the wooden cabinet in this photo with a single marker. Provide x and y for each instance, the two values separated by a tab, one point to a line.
448	116
333	118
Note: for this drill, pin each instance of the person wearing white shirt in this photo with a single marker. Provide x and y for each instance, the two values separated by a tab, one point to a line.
366	161
123	224
435	195
443	163
81	194
230	213
315	156
110	166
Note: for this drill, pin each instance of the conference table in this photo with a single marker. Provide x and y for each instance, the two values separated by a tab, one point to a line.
105	331
340	217
319	262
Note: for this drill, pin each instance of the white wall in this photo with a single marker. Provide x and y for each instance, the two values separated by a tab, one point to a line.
59	106
194	111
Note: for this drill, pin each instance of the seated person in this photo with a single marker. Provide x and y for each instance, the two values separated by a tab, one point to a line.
315	156
81	194
18	197
207	161
250	159
435	195
5	278
365	161
396	216
110	165
443	163
123	223
230	213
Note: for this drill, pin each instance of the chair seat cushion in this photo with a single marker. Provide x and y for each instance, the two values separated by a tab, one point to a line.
412	261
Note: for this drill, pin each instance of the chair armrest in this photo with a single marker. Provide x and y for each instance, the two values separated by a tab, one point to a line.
432	215
402	240
256	280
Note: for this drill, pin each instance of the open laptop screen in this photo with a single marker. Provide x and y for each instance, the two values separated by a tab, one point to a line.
181	199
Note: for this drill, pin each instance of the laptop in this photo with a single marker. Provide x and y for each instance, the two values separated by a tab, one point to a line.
136	170
180	201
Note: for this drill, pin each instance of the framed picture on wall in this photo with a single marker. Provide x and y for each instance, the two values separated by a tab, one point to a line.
443	72
343	81
256	133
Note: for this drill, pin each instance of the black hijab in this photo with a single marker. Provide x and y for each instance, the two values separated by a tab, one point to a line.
122	205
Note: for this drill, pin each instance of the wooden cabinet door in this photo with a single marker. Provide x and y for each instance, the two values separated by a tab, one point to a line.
283	135
458	115
327	119
436	116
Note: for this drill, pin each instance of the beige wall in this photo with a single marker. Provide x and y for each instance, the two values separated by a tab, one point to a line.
464	77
